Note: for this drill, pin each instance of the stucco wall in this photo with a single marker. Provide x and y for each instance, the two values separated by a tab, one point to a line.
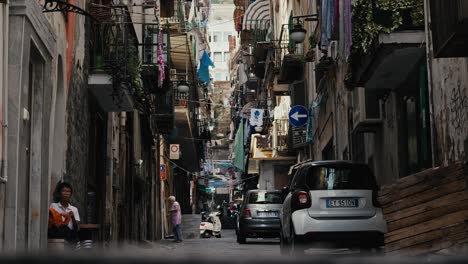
78	122
26	198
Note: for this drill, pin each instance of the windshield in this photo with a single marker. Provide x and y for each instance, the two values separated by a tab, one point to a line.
265	198
344	177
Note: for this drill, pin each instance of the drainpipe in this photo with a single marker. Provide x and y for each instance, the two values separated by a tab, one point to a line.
427	19
275	139
4	96
70	33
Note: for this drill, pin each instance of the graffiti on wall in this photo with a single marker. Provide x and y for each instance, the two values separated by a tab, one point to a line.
459	109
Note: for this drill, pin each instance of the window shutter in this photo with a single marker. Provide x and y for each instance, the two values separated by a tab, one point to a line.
167	8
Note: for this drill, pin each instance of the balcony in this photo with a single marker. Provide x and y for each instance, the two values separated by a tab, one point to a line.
289	58
449	24
150	68
114	58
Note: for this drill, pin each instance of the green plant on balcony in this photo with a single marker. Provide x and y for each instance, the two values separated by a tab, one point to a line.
370	18
134	70
125	70
373	17
310	55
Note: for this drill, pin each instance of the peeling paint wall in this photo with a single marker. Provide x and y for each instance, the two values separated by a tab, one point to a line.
449	85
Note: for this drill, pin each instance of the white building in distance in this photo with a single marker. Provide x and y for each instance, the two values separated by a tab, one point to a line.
221	30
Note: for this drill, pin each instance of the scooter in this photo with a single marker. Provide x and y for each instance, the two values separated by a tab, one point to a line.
210	225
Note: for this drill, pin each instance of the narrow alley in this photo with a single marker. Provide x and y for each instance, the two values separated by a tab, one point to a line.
328	131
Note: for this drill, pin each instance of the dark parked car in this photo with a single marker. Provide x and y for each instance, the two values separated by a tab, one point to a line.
259	216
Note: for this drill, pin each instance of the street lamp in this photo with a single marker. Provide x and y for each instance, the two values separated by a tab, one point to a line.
183	87
297	33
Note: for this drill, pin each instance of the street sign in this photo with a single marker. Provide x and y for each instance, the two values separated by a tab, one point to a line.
298	116
162	172
174	152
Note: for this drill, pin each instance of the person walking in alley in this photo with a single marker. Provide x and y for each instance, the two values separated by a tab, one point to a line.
176	218
63	217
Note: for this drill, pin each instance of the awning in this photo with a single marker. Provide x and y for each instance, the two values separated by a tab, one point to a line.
257	16
395	69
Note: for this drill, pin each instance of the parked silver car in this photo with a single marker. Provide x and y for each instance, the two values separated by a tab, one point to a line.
259	215
332	202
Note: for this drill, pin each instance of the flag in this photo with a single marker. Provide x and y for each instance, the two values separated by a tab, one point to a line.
203	72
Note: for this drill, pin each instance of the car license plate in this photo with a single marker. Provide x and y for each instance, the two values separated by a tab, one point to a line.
268	213
334	203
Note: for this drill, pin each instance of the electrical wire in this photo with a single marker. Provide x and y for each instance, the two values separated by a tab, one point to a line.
194	174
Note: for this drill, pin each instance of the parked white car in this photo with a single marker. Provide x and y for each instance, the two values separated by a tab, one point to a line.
332	203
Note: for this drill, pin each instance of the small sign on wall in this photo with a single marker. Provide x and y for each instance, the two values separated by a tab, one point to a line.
162	172
174	152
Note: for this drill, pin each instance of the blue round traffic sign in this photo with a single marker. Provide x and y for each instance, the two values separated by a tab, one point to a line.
298	115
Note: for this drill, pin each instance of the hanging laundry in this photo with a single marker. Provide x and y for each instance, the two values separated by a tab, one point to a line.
239	161
162	73
336	19
327	12
348	39
256	117
205	63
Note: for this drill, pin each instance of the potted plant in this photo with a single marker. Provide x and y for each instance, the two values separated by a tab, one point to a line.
310	55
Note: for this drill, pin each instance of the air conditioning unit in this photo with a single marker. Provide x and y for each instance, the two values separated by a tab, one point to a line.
367	115
173	75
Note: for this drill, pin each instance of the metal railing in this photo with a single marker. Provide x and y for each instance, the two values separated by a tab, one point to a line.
282	135
285	46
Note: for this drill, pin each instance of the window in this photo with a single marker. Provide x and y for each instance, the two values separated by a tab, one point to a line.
226	36
218	56
335	177
217	36
217	76
226	56
265	198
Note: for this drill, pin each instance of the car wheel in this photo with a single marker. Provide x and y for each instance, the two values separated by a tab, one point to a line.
218	236
241	239
296	247
370	250
284	246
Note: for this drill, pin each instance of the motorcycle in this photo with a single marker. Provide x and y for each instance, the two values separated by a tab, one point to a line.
210	225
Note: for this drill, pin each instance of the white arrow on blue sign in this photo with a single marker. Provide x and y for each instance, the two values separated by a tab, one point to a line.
298	115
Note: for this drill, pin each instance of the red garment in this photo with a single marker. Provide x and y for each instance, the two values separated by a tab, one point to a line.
55	218
336	18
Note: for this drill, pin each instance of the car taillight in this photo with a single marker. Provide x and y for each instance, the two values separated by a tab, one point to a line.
301	200
202	224
247	213
375	200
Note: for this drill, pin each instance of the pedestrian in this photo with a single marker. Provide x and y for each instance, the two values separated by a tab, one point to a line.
64	218
176	218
